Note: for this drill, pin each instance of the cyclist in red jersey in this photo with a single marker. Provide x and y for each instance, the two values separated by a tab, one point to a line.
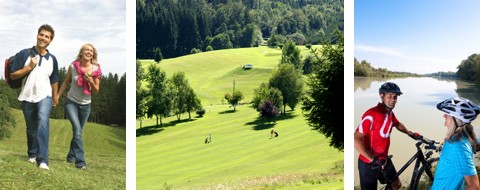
372	138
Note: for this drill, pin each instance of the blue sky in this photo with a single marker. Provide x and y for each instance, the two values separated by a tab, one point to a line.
416	36
75	22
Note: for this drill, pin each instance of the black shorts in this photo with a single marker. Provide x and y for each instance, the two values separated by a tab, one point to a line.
369	177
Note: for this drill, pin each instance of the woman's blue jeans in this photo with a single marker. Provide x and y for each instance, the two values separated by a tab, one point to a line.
78	116
36	117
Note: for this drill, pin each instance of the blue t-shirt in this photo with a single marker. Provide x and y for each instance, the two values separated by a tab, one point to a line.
456	161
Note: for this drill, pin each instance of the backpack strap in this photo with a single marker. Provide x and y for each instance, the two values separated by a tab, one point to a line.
31	54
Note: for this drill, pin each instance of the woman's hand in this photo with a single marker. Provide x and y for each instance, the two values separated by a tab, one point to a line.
88	79
55	101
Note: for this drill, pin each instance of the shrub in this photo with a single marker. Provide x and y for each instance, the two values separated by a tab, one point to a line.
268	110
275	40
209	48
194	51
201	112
298	38
309	46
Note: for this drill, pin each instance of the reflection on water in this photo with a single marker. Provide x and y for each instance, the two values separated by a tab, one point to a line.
468	90
416	109
364	82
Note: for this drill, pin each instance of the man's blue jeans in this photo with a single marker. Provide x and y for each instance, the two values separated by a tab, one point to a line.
78	115
36	117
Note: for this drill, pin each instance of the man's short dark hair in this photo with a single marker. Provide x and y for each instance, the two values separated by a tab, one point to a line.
47	28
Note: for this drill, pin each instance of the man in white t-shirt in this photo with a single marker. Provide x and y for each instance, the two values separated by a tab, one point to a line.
39	70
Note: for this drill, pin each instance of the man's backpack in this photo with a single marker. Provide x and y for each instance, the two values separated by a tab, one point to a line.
8	67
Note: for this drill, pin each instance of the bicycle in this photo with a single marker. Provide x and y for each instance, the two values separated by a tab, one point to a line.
425	165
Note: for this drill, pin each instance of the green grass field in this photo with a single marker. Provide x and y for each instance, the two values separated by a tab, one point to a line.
104	152
211	74
241	155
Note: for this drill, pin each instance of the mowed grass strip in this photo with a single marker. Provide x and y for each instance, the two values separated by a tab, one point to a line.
241	151
104	152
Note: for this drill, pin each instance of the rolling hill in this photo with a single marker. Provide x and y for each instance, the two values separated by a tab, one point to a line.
211	74
241	154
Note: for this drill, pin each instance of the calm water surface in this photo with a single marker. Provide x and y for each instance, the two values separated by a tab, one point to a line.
416	109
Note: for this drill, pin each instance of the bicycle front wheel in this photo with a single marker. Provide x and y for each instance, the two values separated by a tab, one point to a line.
424	179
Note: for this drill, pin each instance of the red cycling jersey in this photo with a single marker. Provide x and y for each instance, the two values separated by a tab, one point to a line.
376	125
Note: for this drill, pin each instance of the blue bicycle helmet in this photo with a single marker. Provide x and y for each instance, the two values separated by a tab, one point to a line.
389	87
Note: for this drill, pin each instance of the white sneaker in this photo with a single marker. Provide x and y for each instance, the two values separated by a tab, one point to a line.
43	166
32	160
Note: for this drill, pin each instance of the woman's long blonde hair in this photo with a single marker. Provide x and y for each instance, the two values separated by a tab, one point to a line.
455	134
94	57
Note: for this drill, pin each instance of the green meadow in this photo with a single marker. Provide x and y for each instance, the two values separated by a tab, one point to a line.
211	74
104	152
241	155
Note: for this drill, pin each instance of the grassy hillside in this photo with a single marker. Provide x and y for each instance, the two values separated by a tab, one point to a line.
211	74
241	151
104	152
241	155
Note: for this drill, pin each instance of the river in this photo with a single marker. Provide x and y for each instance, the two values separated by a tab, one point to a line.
416	109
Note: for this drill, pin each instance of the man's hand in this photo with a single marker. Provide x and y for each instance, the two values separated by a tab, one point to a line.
33	63
415	135
379	161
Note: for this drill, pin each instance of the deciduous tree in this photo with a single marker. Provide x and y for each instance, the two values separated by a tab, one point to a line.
141	93
291	54
234	98
159	101
265	92
6	118
289	81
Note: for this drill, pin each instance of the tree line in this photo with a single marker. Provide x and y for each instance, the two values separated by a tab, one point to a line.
173	28
469	69
442	74
365	69
108	106
163	97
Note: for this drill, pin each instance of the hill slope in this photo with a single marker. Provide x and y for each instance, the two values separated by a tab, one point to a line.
211	74
104	152
241	151
241	155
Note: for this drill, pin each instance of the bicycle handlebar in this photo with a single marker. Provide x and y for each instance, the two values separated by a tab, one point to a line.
429	144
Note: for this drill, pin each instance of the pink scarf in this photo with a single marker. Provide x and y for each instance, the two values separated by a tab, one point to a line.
81	72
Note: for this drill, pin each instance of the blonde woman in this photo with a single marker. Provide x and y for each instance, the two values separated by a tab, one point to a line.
456	169
83	76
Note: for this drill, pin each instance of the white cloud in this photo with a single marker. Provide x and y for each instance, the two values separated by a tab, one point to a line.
407	61
381	50
75	22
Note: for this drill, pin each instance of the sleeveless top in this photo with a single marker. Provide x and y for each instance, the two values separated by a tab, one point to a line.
75	93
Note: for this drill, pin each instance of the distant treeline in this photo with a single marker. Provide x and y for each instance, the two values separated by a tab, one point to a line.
364	69
449	74
181	27
469	69
108	106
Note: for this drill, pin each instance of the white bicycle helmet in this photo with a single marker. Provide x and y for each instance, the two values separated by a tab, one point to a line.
460	108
